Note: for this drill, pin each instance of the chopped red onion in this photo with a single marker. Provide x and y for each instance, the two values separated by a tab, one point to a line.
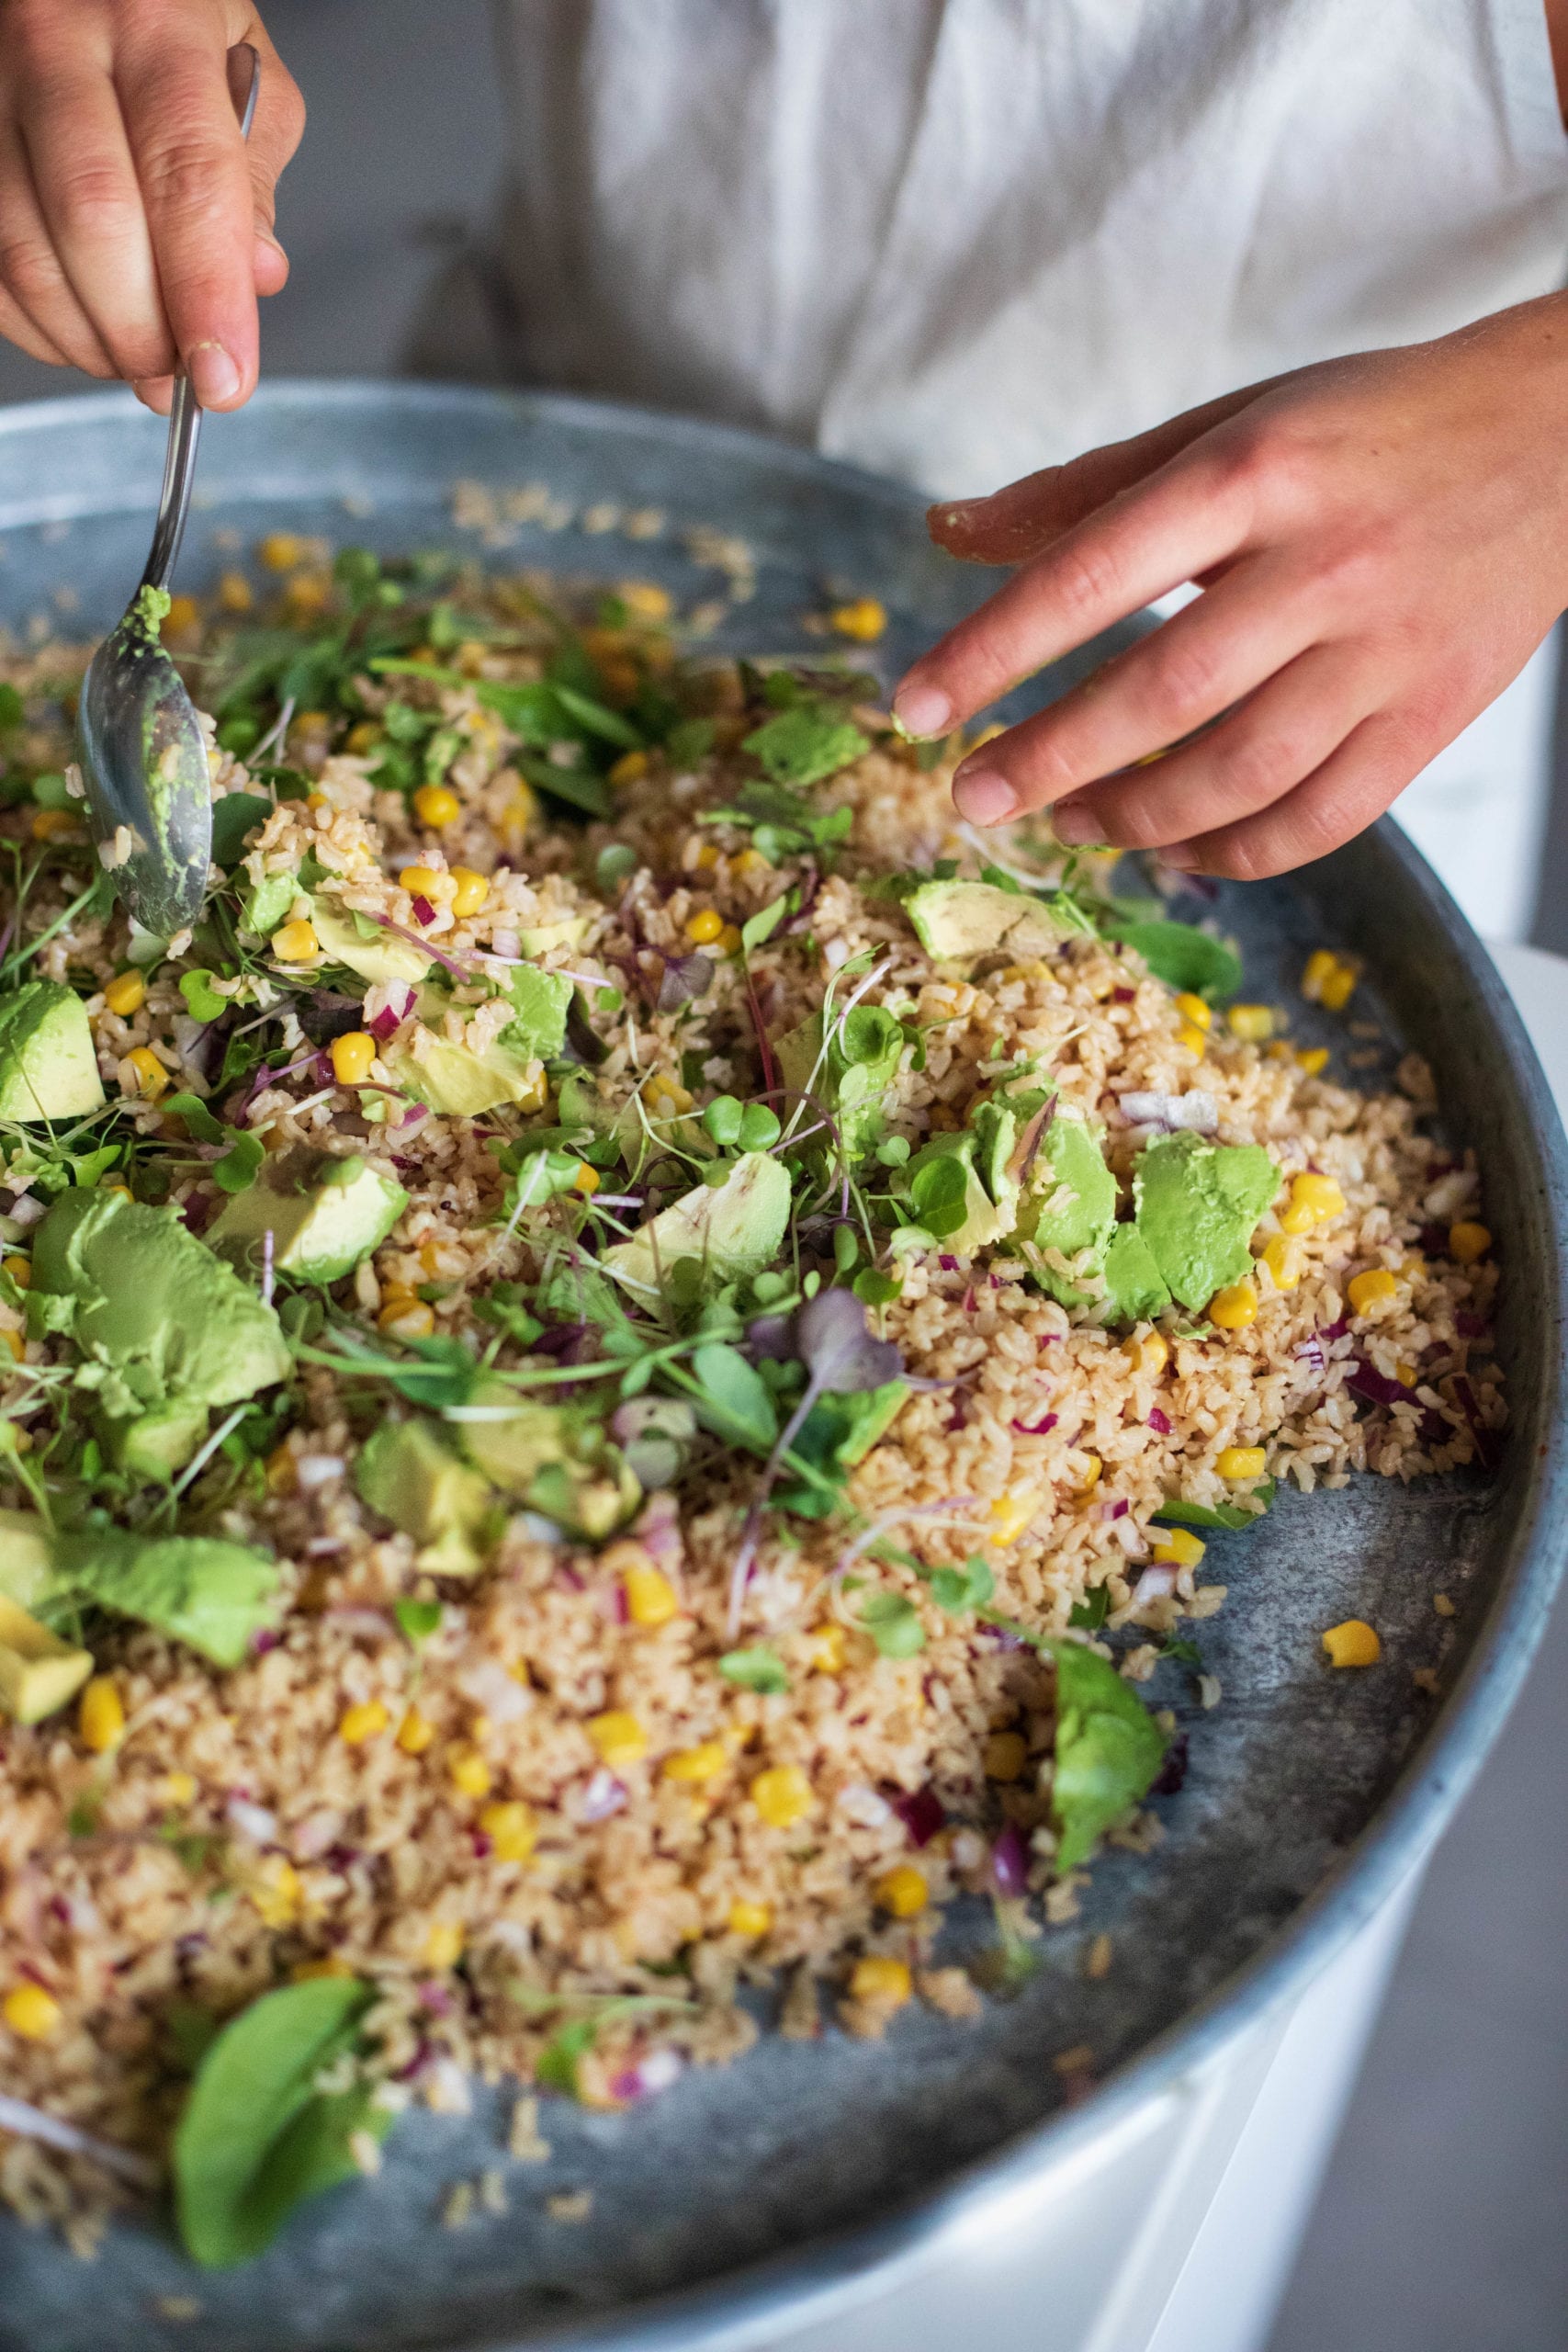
1036	1429
921	1814
411	1118
949	1265
267	1639
1010	1861
385	1024
423	911
253	1820
1158	1423
602	1797
1471	1326
1311	1353
1123	996
1374	1388
504	1699
969	1300
1334	1330
1156	1583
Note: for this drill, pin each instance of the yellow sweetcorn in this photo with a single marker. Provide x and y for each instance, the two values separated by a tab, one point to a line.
151	1078
363	1723
882	1982
1406	1374
1093	1465
587	1178
407	1319
14	1343
1234	1308
437	805
1468	1242
1354	1643
428	882
180	1790
829	1644
1282	1253
1252	1023
295	942
1004	1756
1178	1547
1011	1514
415	1734
1150	1355
352	1054
646	599
864	618
305	1971
281	551
1313	1060
469	891
1319	1196
468	1772
730	941
703	927
1369	1289
1194	1009
115	1186
277	1893
1277	1050
1339	988
752	861
279	1469
126	994
650	1597
1321	965
903	1891
1192	1037
781	1795
32	2014
100	1717
1241	1461
512	1829
306	594
234	592
630	768
363	738
183	616
748	1918
704	1763
443	1945
619	1737
20	1270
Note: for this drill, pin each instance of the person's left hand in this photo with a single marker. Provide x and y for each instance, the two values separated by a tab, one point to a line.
1383	542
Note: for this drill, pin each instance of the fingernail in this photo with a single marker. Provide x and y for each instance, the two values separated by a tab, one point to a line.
984	796
922	710
1180	857
213	374
1074	824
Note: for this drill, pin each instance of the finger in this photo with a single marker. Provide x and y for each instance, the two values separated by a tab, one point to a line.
157	394
1179	677
30	271
1280	735
1017	521
1354	784
270	264
18	328
92	206
1184	521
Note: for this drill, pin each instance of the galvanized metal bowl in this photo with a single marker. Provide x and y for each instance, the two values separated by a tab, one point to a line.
745	2200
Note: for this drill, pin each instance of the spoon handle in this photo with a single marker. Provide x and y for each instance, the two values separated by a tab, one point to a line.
184	423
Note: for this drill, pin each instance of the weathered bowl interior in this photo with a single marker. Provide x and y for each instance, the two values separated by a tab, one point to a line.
1306	1795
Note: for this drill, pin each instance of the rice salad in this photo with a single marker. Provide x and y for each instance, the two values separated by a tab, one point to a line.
618	1367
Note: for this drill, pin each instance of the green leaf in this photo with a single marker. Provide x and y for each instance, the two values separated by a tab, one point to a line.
241	1164
805	744
256	2136
689	741
417	1619
958	1589
1183	957
12	711
197	1118
556	2068
578	787
735	1402
1089	1614
758	1669
616	863
237	814
894	1623
1229	1515
759	928
596	719
1109	1750
202	1000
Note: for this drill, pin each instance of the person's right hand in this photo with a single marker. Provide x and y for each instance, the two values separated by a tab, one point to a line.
135	223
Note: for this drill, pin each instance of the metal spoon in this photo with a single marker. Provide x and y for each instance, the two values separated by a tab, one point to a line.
142	752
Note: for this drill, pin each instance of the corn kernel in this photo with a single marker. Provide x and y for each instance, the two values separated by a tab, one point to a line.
407	1319
126	994
749	1918
234	592
1366	1290
469	1773
277	1893
704	1763
781	1795
295	944
15	1344
1241	1461
183	616
1277	1050
1321	965
437	805
1234	1308
414	1734
619	1737
630	768
1178	1547
1150	1355
306	594
123	1190
1011	1514
1192	1037
1251	1022
647	599
752	861
1339	987
20	1270
281	551
882	1982
1352	1643
32	2014
472	890
151	1078
650	1597
1093	1465
179	1790
53	825
363	737
1406	1374
864	618
352	1056
1193	1008
100	1717
1005	1755
1282	1253
903	1891
1468	1242
364	1722
512	1829
1320	1195
1313	1060
520	811
704	858
729	941
703	927
443	1945
426	882
828	1644
281	1469
306	1971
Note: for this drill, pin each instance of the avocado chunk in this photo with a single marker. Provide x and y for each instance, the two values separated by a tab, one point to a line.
959	921
731	1229
325	1214
26	1559
1198	1204
37	1671
1133	1282
537	939
410	1476
163	1328
1071	1205
453	1078
864	1048
375	955
213	1596
47	1066
555	1458
542	999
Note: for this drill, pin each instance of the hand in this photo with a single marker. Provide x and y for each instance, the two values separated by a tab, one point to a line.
135	223
1383	542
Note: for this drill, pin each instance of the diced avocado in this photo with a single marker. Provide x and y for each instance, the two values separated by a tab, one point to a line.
214	1597
1071	1202
1198	1204
412	1478
27	1558
537	939
325	1214
161	1327
864	1052
158	1443
542	999
265	904
957	921
37	1671
47	1066
1133	1281
380	957
731	1229
453	1078
841	1429
555	1458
